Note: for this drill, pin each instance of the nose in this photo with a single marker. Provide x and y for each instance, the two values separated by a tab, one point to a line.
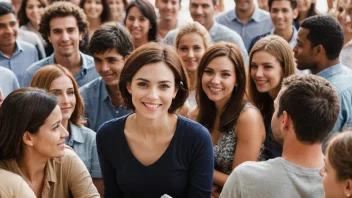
199	10
64	133
295	49
152	93
9	29
104	66
65	36
215	79
259	72
279	14
64	98
135	23
190	53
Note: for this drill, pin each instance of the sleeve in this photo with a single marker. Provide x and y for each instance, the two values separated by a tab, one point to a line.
15	84
232	187
79	180
344	119
40	48
202	166
169	38
108	171
95	170
25	191
27	77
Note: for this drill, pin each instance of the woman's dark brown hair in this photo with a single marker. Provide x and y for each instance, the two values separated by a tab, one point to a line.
24	109
46	75
233	106
155	53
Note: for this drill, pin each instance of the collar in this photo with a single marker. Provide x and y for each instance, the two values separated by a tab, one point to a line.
103	89
83	58
76	134
18	49
213	29
293	39
255	16
332	70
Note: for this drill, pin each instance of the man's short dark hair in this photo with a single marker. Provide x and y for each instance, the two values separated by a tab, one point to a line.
62	9
293	3
325	31
110	36
312	104
6	8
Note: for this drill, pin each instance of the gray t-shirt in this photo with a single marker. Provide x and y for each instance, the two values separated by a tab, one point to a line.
273	178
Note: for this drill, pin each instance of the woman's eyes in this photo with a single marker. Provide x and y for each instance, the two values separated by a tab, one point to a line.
162	86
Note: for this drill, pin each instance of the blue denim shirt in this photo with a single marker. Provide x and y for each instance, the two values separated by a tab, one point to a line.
98	105
260	23
25	54
86	74
217	33
340	77
82	140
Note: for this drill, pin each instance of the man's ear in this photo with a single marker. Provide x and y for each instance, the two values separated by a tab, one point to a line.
348	187
27	138
286	120
319	50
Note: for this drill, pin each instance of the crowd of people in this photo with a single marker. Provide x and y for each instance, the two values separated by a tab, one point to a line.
116	98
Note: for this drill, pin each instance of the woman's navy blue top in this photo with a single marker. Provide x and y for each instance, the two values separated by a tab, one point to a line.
185	169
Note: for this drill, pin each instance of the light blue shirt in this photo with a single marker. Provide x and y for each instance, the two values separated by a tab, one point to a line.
86	74
260	23
293	39
25	54
217	33
8	81
340	78
98	105
82	140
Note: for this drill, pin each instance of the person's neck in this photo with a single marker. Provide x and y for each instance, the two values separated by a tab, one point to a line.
208	26
192	80
324	64
273	92
8	50
35	26
72	62
245	16
348	37
31	165
117	18
308	156
286	33
154	127
139	42
302	15
94	23
165	26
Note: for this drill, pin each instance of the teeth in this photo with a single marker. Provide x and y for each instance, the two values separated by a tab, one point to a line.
261	81
154	106
215	89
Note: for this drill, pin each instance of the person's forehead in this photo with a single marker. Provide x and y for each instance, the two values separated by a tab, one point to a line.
281	3
8	18
201	1
63	22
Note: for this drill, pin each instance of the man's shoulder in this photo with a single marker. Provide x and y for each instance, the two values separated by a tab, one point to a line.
253	170
26	45
92	86
37	65
225	16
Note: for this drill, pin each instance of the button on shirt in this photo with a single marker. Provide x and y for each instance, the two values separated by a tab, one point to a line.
82	140
260	23
25	54
217	33
98	105
340	78
86	74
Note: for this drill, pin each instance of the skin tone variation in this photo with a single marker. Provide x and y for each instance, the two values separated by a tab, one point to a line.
138	26
8	34
34	12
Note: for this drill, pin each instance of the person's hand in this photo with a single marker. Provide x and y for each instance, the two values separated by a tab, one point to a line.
215	191
1	97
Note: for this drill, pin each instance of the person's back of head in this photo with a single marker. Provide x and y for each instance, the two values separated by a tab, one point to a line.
325	31
6	8
312	104
111	36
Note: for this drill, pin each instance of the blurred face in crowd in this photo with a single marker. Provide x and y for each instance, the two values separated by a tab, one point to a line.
8	30
266	73
93	8
65	36
282	14
303	5
202	11
117	8
137	24
109	65
244	5
191	49
34	11
168	9
219	80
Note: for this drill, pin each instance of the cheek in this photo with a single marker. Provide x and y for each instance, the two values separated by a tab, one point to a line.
199	54
205	80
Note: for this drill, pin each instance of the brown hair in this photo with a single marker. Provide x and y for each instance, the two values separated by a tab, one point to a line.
154	53
22	16
233	106
46	75
312	104
339	153
281	50
193	27
24	109
62	9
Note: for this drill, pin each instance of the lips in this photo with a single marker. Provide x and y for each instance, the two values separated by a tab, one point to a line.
215	89
151	106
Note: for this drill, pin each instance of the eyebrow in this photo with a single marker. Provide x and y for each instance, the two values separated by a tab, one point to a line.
145	80
58	122
225	70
